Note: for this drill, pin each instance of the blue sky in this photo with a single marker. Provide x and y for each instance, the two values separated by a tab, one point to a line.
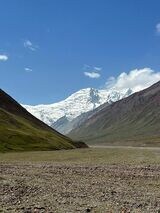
55	47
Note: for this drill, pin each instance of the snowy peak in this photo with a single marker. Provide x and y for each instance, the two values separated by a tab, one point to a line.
79	102
94	96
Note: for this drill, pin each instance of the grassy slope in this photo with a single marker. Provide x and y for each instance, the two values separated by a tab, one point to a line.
132	121
20	131
17	134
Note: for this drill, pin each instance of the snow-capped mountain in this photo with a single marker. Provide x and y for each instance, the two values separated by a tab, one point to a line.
80	102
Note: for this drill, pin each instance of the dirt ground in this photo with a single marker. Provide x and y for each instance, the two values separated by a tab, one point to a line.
69	187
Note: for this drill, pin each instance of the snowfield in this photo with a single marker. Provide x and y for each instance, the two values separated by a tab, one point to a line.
80	102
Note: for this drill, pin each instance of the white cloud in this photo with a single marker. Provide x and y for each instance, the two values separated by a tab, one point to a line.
29	45
136	80
92	74
3	57
98	68
28	69
158	28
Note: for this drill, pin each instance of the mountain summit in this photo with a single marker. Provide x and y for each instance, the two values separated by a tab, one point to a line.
83	101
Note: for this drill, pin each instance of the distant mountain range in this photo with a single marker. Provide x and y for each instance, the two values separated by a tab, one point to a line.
21	131
65	115
134	120
104	117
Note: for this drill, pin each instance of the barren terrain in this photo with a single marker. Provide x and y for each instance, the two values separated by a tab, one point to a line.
86	180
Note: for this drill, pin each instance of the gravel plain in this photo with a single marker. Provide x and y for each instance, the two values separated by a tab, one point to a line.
69	187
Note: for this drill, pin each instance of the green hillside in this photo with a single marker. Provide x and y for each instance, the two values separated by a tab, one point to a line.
20	131
132	121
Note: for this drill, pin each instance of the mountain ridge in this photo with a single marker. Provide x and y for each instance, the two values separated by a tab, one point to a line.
80	102
126	121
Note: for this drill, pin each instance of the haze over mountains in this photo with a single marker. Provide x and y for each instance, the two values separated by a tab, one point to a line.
134	121
21	131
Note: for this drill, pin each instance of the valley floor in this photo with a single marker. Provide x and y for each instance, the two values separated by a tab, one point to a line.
85	180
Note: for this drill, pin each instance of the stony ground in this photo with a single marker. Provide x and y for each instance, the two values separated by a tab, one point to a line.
67	187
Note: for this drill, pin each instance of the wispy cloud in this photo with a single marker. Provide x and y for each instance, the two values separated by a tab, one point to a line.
136	80
98	68
28	69
92	74
29	45
86	66
158	28
94	68
92	71
3	57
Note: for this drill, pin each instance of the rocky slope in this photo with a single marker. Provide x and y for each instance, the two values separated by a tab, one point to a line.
134	120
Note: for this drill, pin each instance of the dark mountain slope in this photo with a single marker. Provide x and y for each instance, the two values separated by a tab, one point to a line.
131	121
21	131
